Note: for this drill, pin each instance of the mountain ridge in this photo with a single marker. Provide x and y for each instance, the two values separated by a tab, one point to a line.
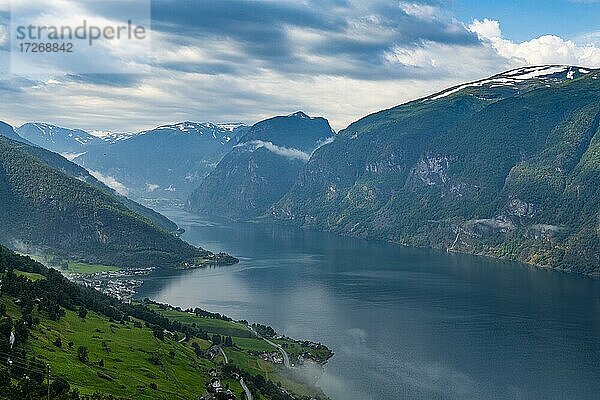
480	170
166	162
46	209
261	168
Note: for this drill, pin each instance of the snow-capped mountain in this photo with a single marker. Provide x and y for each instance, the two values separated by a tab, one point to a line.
165	162
517	81
8	131
224	133
507	166
112	137
57	139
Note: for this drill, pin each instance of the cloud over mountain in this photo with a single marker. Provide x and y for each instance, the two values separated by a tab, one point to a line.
246	60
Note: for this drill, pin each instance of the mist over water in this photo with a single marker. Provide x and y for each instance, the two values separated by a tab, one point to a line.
403	323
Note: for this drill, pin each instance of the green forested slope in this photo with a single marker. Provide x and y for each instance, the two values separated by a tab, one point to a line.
261	168
45	210
59	162
509	170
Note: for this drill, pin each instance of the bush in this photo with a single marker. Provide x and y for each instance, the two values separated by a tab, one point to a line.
82	354
155	359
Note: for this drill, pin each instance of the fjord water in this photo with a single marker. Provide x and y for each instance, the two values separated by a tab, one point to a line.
403	323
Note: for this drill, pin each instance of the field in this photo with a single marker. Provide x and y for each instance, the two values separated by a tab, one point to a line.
120	355
128	361
88	269
212	325
295	348
244	344
29	275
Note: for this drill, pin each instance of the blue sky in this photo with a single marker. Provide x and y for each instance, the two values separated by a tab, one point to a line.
524	19
236	60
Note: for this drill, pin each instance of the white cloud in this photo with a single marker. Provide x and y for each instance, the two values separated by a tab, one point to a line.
423	11
3	35
339	86
110	182
486	29
547	49
279	150
151	187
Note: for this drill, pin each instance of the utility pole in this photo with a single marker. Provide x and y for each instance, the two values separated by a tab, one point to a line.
48	379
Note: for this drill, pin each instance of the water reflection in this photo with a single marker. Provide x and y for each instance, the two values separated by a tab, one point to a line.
404	323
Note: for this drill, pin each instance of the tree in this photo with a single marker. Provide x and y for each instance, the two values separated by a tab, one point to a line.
216	340
82	354
4	377
158	333
155	359
82	312
59	387
21	332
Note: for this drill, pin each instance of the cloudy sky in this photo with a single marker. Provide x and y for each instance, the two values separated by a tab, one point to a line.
235	60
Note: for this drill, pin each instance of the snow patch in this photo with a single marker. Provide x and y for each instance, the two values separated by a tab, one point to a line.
510	79
231	126
300	114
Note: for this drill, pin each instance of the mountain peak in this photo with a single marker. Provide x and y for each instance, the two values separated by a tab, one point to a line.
8	131
300	114
56	138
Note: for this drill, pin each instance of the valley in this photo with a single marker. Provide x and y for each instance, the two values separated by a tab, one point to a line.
303	223
502	167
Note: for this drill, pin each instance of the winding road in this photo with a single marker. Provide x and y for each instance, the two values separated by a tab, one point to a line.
242	383
286	357
246	390
224	355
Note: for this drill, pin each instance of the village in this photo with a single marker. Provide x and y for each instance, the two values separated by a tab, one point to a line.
120	284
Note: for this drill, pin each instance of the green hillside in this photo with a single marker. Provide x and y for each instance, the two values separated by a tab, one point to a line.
99	347
46	211
495	168
62	164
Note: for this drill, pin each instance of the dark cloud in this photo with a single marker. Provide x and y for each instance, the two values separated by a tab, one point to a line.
117	80
214	68
359	32
15	84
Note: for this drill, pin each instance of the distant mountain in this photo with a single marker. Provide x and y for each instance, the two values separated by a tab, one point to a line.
261	168
112	137
166	162
507	166
47	209
8	131
57	139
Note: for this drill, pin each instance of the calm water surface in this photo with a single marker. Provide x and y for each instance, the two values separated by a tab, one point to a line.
403	323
